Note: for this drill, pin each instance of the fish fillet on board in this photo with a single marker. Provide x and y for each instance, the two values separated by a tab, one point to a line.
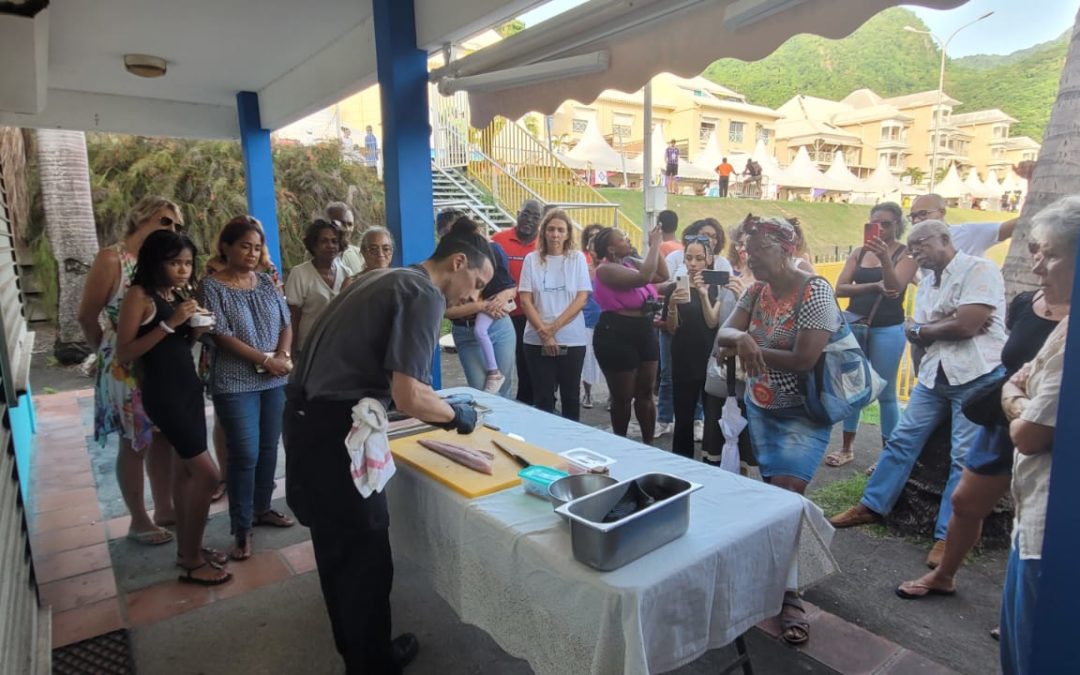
475	459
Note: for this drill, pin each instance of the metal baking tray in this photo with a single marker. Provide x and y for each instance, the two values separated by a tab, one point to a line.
608	546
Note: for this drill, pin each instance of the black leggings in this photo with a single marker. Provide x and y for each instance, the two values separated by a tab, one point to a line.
551	372
686	393
524	387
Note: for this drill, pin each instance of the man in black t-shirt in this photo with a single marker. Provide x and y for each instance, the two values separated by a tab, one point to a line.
374	340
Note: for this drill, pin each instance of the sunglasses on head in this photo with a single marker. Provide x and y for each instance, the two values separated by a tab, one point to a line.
699	237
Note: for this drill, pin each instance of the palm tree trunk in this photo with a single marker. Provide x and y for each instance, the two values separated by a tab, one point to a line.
1058	170
70	229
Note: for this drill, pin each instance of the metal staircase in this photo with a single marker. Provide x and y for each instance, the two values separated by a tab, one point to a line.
489	172
453	189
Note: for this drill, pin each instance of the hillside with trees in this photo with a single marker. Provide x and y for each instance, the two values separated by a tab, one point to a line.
884	57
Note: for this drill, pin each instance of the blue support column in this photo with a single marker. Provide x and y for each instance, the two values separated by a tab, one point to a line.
1055	648
259	171
403	89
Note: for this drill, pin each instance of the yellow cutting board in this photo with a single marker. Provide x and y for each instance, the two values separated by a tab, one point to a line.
464	480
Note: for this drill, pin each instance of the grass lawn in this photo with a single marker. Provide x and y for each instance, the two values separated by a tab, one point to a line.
830	228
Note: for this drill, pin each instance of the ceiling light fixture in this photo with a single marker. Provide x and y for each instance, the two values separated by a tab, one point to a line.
144	65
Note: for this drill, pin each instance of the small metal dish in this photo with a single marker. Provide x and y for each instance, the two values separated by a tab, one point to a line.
571	487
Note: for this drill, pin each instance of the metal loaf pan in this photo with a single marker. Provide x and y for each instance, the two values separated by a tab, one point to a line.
608	546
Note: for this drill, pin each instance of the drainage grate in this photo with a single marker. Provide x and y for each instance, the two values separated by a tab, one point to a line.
108	654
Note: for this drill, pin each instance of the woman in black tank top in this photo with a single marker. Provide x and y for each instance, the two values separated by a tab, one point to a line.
154	330
875	277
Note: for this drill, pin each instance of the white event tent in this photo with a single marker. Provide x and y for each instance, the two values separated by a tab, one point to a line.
841	174
802	173
593	152
993	187
975	186
710	158
951	187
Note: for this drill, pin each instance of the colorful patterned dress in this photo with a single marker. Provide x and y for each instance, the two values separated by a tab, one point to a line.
117	400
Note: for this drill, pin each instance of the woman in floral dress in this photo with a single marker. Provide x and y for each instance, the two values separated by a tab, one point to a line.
117	401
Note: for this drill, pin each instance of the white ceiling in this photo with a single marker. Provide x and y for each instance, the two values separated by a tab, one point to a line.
214	48
299	56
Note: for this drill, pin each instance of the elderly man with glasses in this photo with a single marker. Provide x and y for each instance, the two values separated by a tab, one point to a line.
959	320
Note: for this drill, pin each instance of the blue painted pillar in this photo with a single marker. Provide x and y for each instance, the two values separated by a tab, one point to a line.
259	171
403	89
1055	644
403	86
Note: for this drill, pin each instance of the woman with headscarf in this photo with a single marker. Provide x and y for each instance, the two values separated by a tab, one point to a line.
779	330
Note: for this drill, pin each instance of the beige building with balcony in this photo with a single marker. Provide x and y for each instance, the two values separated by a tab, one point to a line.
688	110
868	128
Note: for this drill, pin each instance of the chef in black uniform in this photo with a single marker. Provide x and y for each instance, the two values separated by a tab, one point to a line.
374	340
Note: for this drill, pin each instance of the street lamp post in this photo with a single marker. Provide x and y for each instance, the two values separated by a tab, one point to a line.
941	90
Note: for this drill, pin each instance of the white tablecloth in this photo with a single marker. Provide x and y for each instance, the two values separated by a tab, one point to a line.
504	561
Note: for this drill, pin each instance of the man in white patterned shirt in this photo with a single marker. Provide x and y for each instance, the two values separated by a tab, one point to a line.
959	320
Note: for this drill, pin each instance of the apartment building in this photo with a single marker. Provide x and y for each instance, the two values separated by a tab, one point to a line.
688	111
903	131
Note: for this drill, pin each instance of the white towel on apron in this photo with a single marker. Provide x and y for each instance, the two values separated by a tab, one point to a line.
369	449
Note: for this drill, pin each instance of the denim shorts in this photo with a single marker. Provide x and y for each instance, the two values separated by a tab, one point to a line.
992	453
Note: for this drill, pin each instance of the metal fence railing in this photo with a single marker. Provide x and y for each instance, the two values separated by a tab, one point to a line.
514	166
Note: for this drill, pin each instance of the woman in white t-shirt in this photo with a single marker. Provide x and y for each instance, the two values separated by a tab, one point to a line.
553	290
313	284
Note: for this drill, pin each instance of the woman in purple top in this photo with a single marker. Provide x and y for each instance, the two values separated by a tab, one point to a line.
624	338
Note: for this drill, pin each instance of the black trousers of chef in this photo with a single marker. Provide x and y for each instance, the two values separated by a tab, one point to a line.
350	534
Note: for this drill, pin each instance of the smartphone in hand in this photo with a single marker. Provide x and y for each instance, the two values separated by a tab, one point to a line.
682	283
716	277
871	231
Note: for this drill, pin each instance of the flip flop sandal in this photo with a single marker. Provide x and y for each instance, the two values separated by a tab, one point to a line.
188	578
789	623
274	519
211	555
900	592
239	554
151	537
871	469
835	459
218	493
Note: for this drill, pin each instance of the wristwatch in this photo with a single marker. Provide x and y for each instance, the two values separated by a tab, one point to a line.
916	330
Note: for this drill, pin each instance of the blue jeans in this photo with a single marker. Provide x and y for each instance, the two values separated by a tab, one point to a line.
665	400
1018	611
926	409
252	424
471	355
885	347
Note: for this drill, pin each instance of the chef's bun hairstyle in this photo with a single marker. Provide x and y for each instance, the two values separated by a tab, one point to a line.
464	237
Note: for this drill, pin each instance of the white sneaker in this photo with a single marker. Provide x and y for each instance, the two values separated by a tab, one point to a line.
663	428
699	430
586	401
493	381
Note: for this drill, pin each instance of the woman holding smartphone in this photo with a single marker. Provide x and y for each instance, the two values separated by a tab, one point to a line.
553	290
691	314
875	277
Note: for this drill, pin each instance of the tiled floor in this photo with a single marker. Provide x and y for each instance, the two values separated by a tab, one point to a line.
70	540
70	544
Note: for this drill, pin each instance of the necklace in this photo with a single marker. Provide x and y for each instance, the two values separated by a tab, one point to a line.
240	280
